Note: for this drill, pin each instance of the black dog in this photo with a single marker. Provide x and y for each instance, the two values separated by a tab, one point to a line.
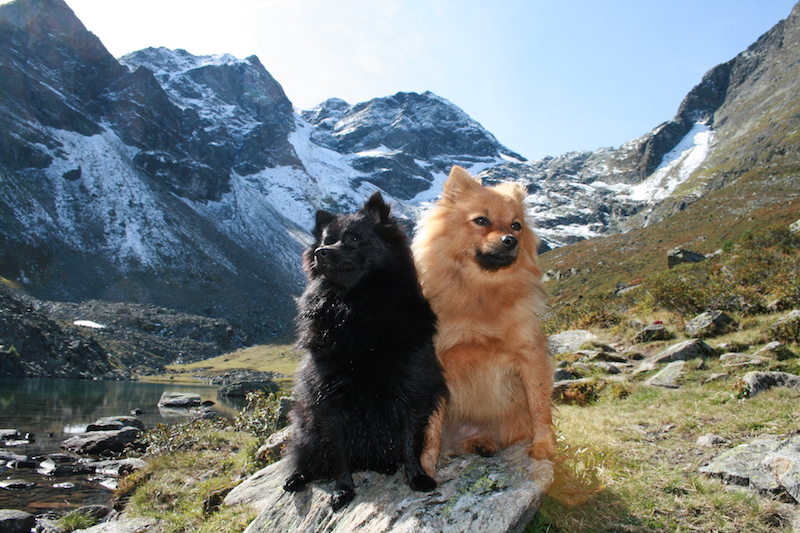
370	379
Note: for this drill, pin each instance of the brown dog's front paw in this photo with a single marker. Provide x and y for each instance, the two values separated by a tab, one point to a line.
483	447
543	449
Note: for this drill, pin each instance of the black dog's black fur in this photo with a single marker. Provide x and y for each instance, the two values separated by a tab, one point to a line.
370	379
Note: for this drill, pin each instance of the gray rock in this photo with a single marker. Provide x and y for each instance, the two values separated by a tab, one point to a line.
768	466
182	400
682	351
14	521
243	387
650	333
570	341
740	359
496	494
676	256
756	382
115	422
776	349
50	468
560	387
16	484
711	440
9	434
97	442
787	327
272	449
117	467
126	525
669	376
562	374
709	324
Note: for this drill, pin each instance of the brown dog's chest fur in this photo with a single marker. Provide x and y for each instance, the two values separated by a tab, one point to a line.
492	350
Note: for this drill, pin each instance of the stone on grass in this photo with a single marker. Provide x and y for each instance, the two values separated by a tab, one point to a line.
676	256
571	341
776	349
711	440
682	351
756	382
498	494
669	376
769	466
650	333
709	324
740	359
787	328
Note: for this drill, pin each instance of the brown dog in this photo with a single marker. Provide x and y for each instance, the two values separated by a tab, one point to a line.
476	257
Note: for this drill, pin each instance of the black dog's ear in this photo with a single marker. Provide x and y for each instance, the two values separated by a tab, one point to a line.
377	208
323	219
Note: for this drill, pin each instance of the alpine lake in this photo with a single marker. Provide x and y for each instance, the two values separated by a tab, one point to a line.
50	411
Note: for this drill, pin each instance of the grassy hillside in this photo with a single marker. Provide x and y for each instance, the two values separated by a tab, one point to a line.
279	358
757	200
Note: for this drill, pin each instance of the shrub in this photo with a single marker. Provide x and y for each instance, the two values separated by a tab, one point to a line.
260	417
787	329
582	393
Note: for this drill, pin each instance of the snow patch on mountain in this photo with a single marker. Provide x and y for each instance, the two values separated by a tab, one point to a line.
675	168
101	204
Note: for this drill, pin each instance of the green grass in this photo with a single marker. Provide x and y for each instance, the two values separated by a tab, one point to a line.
280	358
631	464
190	467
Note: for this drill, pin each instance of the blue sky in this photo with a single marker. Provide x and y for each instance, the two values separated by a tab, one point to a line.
545	77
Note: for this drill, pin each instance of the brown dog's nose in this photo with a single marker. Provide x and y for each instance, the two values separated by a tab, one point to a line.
510	242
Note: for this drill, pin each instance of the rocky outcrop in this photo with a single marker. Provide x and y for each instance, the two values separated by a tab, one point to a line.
97	442
183	400
677	256
768	466
33	344
571	341
498	494
710	324
757	382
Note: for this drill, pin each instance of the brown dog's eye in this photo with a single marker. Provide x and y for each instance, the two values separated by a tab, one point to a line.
516	226
482	221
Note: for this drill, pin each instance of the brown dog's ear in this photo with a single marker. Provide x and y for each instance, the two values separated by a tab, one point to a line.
459	183
515	190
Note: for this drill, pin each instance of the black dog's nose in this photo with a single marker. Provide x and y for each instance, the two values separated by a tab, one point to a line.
321	252
510	242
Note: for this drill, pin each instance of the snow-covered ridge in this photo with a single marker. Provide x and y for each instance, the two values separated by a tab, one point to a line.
675	168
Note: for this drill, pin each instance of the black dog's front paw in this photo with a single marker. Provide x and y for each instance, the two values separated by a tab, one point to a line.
422	483
295	483
341	497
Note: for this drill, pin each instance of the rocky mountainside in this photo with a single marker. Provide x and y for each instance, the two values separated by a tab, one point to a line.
189	182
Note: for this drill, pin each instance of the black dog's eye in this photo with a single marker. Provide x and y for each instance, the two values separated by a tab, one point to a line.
516	226
351	238
482	221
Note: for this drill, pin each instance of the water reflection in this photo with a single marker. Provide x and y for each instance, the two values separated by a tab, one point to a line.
54	409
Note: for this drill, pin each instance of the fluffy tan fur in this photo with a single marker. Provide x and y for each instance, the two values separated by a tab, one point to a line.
493	352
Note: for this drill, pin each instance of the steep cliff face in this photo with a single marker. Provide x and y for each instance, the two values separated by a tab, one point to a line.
191	182
184	181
